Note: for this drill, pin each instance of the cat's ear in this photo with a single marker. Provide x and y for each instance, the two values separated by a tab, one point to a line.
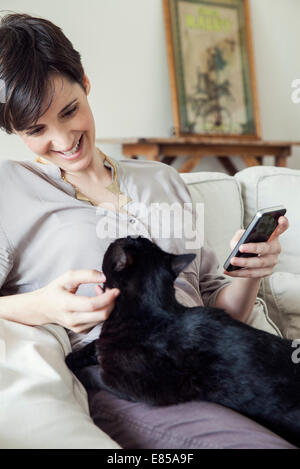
178	263
122	259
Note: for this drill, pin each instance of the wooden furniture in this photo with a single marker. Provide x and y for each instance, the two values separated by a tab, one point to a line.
195	148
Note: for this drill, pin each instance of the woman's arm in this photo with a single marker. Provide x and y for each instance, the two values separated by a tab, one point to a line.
239	297
57	303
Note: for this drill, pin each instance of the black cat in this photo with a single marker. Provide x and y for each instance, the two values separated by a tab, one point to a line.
154	350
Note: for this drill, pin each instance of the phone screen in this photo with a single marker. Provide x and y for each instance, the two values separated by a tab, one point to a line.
258	231
263	230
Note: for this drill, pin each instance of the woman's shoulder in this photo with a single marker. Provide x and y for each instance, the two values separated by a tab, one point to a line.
8	165
163	180
149	168
143	164
15	176
8	170
17	168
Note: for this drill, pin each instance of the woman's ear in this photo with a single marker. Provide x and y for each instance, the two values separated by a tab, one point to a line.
87	84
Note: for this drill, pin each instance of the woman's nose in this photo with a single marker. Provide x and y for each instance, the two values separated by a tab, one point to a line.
62	143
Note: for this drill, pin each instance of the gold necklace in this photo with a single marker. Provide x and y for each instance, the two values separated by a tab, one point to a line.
79	194
123	199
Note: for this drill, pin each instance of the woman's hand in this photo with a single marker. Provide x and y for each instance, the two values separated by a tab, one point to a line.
57	303
268	252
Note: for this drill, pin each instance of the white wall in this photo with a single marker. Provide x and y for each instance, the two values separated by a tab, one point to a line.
122	44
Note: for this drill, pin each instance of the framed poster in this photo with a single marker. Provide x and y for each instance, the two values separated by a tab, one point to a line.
211	68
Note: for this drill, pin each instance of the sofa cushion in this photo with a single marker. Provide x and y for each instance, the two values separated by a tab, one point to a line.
223	209
285	291
267	186
223	216
43	405
260	319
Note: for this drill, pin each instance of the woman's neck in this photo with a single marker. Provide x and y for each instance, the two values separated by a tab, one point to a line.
95	173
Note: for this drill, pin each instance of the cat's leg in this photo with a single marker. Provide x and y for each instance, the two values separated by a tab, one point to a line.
83	363
91	378
83	357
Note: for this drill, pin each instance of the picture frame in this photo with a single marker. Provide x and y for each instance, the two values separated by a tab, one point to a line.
211	68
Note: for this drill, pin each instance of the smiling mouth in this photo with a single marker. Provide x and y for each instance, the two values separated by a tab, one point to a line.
74	153
74	149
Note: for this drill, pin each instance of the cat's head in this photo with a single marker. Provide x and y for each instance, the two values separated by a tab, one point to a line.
134	263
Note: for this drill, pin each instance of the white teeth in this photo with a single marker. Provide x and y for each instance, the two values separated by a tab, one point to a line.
74	150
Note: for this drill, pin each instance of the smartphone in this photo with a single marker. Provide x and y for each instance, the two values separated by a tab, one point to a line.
258	231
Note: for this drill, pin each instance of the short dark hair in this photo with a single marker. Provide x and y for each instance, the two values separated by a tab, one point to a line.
31	50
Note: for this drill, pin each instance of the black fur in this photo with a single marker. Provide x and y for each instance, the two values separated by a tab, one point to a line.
154	350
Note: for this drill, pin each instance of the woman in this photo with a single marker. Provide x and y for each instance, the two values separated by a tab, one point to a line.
51	230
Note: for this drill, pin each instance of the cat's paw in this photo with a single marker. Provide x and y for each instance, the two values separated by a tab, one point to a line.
70	362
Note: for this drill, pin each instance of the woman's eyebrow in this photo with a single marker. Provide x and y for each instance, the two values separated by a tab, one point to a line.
63	110
68	105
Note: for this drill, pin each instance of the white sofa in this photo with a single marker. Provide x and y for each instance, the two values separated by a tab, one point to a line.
43	406
230	204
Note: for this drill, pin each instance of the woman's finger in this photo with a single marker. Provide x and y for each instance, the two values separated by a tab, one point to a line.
236	238
72	279
259	262
88	319
283	225
98	290
79	303
269	247
85	328
249	273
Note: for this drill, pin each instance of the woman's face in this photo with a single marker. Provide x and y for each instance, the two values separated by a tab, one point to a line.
65	134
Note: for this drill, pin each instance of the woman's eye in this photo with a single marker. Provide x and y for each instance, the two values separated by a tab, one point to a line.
67	114
34	132
71	111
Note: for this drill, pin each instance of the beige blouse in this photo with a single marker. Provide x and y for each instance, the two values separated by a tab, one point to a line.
47	228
